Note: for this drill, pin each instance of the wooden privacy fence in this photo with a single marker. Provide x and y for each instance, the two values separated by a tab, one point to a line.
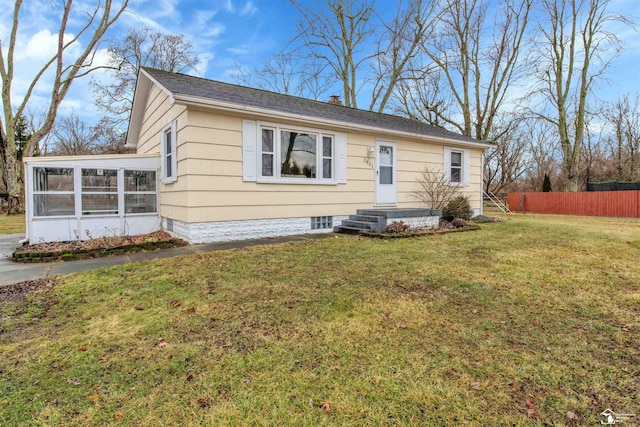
597	203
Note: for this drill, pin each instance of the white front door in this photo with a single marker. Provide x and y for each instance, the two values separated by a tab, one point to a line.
385	173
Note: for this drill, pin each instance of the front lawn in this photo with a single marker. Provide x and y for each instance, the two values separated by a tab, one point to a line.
527	322
10	224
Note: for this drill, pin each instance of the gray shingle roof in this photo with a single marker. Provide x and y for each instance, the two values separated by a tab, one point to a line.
182	84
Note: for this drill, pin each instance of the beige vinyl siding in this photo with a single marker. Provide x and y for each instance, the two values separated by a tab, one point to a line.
158	114
210	170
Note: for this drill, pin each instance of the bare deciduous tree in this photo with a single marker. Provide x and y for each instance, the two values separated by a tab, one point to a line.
507	162
348	41
141	47
474	61
577	48
289	74
397	47
337	33
60	71
71	137
543	154
623	122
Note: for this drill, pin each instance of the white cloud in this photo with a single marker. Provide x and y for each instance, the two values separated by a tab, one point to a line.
229	6
238	50
213	30
203	28
248	9
203	64
44	44
70	105
100	59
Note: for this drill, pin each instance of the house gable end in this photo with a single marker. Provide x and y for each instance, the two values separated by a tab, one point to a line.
144	83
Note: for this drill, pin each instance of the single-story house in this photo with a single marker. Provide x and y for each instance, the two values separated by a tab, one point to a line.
217	162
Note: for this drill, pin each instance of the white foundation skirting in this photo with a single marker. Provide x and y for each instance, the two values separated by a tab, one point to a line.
226	231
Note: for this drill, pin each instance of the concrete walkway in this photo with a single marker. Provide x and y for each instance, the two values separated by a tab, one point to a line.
13	272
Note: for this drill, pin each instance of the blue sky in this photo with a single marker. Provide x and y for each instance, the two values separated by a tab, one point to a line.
225	33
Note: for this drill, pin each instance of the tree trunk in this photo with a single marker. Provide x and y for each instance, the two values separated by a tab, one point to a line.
15	190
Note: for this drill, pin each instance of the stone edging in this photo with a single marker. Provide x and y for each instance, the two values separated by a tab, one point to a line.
391	236
76	254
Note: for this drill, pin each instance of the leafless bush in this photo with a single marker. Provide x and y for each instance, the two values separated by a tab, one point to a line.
433	189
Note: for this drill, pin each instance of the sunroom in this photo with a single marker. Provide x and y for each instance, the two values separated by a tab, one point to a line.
85	197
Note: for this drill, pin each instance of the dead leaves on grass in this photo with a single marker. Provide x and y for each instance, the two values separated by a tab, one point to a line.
531	409
74	381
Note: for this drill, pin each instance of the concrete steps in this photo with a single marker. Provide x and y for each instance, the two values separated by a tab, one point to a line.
376	220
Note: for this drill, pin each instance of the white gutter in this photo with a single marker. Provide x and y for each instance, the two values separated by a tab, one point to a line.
233	107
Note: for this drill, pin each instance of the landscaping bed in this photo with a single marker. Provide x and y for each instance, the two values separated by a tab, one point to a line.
400	230
95	248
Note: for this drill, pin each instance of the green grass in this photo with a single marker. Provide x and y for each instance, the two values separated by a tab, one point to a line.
469	328
11	224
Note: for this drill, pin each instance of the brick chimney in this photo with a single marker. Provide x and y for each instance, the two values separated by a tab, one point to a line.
335	100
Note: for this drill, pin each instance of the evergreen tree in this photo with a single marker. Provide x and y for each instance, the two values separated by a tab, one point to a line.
546	184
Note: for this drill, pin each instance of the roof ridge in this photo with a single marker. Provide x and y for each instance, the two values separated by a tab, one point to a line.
201	87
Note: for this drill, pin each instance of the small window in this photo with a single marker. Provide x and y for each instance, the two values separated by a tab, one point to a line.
140	191
53	192
169	159
386	164
321	222
327	157
456	167
268	152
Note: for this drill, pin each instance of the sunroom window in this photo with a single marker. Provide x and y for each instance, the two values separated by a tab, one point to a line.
296	155
140	191
99	191
53	192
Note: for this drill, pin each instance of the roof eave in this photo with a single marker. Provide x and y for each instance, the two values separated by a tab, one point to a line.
190	100
140	96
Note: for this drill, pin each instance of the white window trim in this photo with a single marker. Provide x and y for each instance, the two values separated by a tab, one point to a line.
169	179
464	170
32	192
276	178
83	192
77	192
125	193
